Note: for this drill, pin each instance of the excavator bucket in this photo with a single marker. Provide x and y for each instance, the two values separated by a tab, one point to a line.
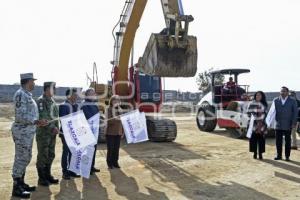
166	57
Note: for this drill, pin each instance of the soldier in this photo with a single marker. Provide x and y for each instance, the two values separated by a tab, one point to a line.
46	136
23	130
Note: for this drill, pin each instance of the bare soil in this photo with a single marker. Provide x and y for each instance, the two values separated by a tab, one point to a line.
196	166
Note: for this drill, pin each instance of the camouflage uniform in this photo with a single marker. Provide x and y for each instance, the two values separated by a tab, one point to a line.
23	130
45	137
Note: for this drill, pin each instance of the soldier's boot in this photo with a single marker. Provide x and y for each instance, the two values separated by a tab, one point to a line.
18	190
26	186
42	177
49	177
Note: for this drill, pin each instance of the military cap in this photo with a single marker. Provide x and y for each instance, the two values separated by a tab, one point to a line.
27	76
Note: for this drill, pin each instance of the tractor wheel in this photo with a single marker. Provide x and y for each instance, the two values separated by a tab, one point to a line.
238	133
206	118
161	130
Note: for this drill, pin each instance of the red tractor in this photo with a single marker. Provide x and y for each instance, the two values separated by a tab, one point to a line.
225	105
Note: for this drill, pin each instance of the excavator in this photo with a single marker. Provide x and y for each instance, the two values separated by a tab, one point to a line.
170	53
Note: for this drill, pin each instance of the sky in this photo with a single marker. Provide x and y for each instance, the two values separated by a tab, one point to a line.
59	40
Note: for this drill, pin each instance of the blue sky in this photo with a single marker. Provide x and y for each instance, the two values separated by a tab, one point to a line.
60	40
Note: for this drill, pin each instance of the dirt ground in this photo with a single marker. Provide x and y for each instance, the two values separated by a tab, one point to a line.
196	166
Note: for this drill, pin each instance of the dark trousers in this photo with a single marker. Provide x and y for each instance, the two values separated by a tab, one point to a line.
113	146
279	138
94	158
257	140
66	155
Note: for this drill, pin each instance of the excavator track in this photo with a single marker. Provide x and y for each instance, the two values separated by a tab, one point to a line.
161	130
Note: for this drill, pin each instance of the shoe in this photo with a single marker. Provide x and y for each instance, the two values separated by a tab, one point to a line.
29	188
43	182
260	156
110	167
66	176
287	159
26	186
255	156
72	174
42	177
95	170
52	180
117	166
277	158
49	177
294	148
18	190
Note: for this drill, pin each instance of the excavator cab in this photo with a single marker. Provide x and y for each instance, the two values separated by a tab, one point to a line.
147	91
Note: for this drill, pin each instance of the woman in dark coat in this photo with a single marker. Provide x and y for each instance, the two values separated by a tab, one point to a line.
258	109
114	132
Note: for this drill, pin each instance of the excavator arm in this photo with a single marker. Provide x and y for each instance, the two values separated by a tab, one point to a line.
174	15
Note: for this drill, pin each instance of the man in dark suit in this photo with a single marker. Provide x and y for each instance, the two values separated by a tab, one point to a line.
90	108
286	120
68	107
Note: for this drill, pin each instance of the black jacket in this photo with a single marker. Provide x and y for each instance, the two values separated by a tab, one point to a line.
67	108
89	108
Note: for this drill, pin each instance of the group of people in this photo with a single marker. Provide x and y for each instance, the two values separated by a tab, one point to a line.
287	117
41	118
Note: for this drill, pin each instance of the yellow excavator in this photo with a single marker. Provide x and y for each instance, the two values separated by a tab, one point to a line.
170	53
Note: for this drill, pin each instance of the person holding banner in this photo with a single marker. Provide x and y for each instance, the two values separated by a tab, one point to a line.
46	136
23	131
68	107
257	110
114	132
90	109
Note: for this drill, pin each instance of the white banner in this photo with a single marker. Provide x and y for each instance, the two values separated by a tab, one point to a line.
81	161
94	123
271	117
80	138
135	127
250	128
77	132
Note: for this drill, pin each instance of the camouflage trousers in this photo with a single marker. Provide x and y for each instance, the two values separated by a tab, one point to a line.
23	140
45	141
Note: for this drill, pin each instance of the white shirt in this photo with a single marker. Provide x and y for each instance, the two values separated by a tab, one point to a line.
283	100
